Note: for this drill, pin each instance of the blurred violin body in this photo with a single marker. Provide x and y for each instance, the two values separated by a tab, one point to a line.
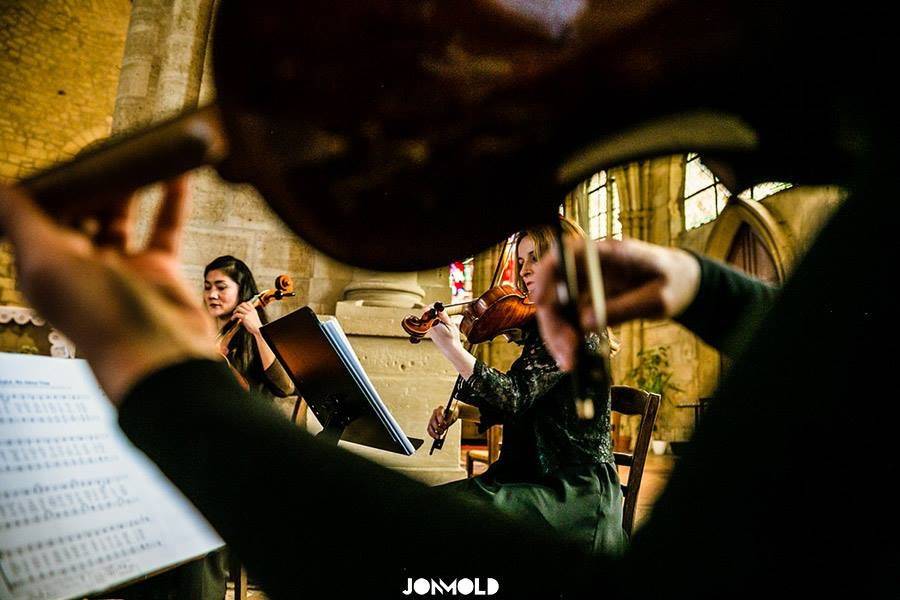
355	120
502	310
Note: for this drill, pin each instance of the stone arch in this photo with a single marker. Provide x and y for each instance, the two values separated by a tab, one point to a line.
777	241
84	139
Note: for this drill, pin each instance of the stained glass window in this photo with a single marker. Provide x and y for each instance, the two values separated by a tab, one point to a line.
461	280
461	274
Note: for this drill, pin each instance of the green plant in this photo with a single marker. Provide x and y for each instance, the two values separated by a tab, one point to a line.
653	372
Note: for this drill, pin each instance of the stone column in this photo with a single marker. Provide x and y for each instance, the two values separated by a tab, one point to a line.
166	69
377	288
162	68
412	379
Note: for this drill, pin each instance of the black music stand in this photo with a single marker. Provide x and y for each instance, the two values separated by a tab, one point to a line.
341	397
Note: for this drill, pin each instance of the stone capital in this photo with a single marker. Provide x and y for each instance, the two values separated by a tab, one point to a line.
381	289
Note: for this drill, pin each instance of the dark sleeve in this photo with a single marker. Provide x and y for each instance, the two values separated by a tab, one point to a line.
728	306
502	396
277	380
303	513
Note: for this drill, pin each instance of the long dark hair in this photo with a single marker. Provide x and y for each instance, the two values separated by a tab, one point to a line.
243	355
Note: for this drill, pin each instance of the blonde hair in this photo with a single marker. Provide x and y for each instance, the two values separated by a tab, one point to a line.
544	236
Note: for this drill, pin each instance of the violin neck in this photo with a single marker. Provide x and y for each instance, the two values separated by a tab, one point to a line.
455	309
129	162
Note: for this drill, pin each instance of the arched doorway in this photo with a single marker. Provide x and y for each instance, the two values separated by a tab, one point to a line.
749	237
749	254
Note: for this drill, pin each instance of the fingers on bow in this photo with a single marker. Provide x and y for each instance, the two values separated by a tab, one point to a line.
21	219
113	226
442	316
169	228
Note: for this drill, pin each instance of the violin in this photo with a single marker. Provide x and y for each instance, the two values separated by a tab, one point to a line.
502	310
284	288
356	119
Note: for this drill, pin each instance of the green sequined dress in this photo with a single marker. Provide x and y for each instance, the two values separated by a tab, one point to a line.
554	468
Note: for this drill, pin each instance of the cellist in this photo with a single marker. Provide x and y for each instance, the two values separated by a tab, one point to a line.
228	287
554	466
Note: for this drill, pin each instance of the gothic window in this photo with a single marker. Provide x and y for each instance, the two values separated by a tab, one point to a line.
749	254
604	209
758	192
461	274
705	197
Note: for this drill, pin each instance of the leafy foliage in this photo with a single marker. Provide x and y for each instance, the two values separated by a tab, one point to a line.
653	372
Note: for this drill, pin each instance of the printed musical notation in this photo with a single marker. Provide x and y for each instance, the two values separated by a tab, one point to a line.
43	503
73	554
81	510
36	454
44	407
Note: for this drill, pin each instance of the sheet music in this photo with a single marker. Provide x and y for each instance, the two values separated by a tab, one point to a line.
342	346
81	509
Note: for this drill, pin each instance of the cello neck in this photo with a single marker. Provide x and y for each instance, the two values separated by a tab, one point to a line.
231	328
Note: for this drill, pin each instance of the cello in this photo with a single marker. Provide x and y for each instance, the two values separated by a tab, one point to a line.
284	288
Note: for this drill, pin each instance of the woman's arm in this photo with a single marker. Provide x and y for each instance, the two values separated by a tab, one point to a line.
513	392
266	356
274	376
248	316
446	338
437	425
497	394
727	306
277	380
647	281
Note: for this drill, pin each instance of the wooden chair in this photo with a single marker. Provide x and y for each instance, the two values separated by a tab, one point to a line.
632	401
489	456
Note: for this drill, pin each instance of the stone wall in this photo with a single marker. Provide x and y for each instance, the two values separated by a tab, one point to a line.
59	67
652	210
797	214
167	69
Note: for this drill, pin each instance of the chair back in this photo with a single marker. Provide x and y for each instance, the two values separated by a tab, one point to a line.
633	401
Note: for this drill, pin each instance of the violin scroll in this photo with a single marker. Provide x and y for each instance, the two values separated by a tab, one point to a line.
417	327
284	288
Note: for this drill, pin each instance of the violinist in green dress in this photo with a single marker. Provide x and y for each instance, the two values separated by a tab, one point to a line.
554	468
